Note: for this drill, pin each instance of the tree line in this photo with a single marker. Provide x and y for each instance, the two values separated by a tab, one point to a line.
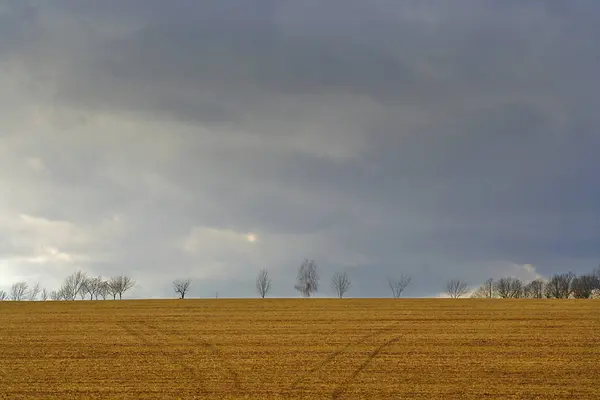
77	285
559	286
307	282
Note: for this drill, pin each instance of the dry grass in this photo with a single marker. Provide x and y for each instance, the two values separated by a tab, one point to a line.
329	349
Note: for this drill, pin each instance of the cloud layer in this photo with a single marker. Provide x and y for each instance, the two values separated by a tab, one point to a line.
441	140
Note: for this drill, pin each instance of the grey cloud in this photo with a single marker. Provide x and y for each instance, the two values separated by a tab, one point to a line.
441	139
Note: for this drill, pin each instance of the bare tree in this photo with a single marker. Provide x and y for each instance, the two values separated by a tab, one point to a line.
44	294
399	284
35	291
86	289
534	289
3	295
104	290
457	288
112	287
66	292
18	291
487	290
73	285
516	288
128	283
181	286
584	285
263	283
93	287
120	284
83	291
509	288
307	281
55	295
340	282
559	286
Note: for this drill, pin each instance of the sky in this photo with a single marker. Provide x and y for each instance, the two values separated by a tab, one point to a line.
211	139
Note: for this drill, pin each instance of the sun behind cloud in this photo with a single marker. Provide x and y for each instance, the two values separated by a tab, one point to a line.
251	237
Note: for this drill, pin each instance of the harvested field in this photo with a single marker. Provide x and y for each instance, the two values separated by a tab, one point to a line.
301	349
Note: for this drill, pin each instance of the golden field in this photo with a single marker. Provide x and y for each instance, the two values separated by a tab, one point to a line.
301	349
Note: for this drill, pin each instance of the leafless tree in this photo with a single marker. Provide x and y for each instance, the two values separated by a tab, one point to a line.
584	285
18	291
516	287
534	289
307	281
559	286
486	291
120	284
73	285
35	292
181	286
3	295
44	294
127	284
55	295
67	292
399	284
104	290
114	284
93	287
87	289
340	282
112	288
263	283
457	288
509	288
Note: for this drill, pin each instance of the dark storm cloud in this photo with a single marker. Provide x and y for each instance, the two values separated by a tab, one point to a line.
444	139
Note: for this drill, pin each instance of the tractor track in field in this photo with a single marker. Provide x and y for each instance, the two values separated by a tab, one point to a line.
344	349
146	333
216	353
339	391
143	334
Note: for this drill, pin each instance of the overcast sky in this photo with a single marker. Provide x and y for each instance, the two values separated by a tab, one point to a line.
210	139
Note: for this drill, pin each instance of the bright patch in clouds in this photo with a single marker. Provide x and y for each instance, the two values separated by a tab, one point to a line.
48	254
35	164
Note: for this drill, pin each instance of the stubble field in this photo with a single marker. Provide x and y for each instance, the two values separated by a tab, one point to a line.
301	349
